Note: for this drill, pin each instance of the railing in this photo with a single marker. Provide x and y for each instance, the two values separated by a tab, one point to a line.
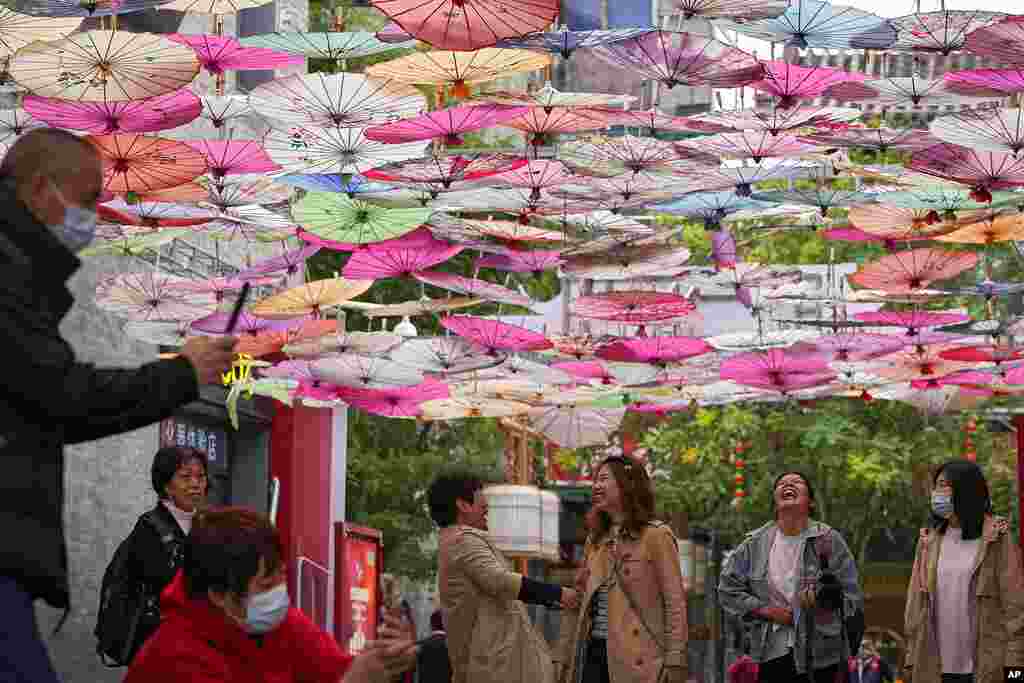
312	591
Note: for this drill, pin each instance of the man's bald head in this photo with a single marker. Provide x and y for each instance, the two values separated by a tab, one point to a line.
51	169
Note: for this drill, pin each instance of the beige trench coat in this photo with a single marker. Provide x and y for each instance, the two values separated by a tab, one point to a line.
999	606
490	636
651	572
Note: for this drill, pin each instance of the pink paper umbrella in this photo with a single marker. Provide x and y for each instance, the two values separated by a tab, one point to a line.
752	144
634	307
790	83
1002	42
654	350
912	320
522	261
309	385
469	24
677	406
723	249
445	171
981	171
587	370
846	347
234	157
535	175
376	263
495	335
473	287
396	402
247	324
914	269
986	81
917	363
447	124
777	370
287	263
420	238
148	115
218	54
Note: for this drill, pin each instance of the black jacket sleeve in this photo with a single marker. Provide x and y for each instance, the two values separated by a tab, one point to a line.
152	563
537	593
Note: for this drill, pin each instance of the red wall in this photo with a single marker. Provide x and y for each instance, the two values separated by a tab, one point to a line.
300	457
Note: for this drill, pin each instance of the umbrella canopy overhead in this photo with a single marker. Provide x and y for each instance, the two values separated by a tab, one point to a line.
149	115
458	69
138	163
334	150
814	24
338	218
326	45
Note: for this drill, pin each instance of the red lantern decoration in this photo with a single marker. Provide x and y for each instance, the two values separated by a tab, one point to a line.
740	464
740	493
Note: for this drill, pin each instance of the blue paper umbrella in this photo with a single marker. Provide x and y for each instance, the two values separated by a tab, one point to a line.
810	23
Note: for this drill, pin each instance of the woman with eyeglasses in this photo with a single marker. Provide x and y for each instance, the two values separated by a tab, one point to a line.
965	602
631	626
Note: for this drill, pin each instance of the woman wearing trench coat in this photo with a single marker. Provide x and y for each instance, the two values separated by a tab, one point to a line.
631	627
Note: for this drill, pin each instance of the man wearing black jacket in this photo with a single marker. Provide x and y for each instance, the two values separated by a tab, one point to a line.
50	182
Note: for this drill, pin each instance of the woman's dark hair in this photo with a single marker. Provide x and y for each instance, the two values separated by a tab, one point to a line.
446	490
224	550
807	483
637	493
971	499
436	621
169	460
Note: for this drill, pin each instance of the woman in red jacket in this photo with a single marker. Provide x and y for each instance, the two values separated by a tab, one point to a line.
227	618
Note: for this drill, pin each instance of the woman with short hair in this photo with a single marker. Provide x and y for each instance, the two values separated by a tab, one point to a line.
965	602
228	617
631	627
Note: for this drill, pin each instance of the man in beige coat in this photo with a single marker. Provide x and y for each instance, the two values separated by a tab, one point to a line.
490	636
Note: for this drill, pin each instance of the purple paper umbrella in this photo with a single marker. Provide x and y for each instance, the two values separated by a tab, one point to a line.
376	263
752	144
944	31
683	59
878	139
218	54
981	171
473	287
986	81
149	115
777	370
395	402
790	83
847	347
288	263
723	249
247	324
220	286
653	350
522	261
912	320
1001	42
234	157
495	335
447	124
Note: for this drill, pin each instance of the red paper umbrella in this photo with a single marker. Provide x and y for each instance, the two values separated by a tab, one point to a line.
446	170
233	157
777	370
535	176
633	306
495	335
918	363
149	115
469	24
682	59
137	163
522	261
752	144
653	350
446	124
912	320
981	171
911	270
218	54
376	263
983	354
394	402
1002	42
790	83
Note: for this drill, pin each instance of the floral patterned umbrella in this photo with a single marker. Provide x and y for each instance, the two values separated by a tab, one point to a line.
445	124
458	69
996	37
682	59
789	83
469	24
982	171
138	163
377	264
104	66
148	296
813	24
334	150
149	115
344	100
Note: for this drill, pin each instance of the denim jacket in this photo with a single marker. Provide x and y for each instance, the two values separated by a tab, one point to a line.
744	586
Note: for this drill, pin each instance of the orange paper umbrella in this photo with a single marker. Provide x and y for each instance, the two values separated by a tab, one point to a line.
310	299
140	163
911	270
458	69
899	223
993	228
187	193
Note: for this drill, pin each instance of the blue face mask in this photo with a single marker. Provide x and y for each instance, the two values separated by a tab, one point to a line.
266	611
78	229
942	505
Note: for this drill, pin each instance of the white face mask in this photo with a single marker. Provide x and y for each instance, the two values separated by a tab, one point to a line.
265	611
78	229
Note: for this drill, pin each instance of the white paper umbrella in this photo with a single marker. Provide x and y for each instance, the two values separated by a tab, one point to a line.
18	30
159	334
14	122
445	355
148	296
334	150
343	100
219	109
575	427
994	130
368	372
460	407
104	66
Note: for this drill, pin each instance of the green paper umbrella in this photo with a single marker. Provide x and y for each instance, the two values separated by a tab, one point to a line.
325	45
337	218
134	245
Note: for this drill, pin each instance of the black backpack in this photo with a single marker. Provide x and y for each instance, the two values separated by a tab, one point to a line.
129	610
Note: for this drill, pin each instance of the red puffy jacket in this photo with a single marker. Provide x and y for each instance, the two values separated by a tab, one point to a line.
197	644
